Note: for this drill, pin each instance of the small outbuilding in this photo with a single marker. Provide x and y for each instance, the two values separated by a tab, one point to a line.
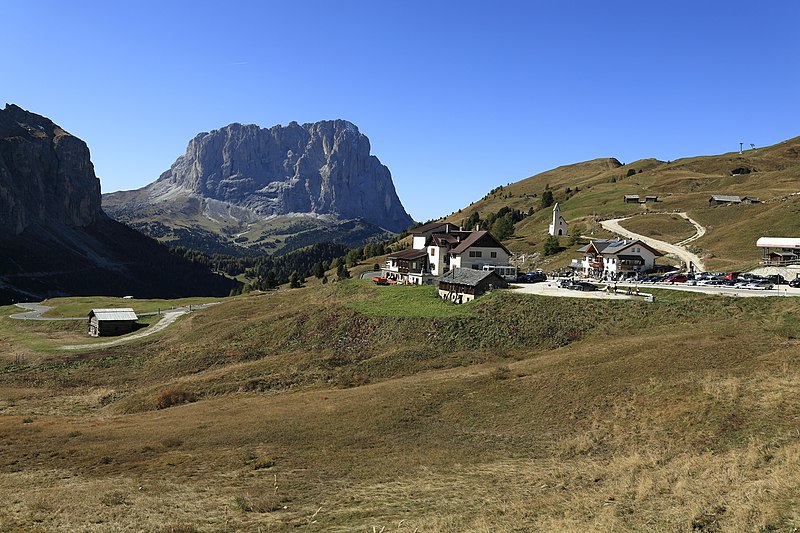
751	200
465	284
722	199
650	198
110	322
631	198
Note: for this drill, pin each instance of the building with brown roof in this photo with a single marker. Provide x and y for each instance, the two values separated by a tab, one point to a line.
441	247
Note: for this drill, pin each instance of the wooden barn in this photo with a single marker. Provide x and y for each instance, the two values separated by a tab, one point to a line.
464	284
109	322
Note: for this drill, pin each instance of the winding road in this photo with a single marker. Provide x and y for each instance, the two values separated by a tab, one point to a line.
35	311
673	249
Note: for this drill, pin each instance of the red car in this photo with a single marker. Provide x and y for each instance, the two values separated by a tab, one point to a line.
677	278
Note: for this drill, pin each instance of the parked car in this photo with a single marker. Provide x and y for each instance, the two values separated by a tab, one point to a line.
762	284
564	283
532	277
795	283
729	276
677	278
582	286
777	279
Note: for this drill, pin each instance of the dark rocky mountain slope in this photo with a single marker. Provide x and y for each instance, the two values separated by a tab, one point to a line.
268	190
55	239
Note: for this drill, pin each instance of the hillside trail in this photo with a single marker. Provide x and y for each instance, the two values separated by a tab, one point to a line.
35	312
169	317
677	249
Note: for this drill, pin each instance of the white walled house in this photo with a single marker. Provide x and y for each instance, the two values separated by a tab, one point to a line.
481	248
422	234
440	247
558	226
612	259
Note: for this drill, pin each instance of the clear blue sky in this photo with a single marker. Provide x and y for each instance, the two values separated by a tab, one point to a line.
456	97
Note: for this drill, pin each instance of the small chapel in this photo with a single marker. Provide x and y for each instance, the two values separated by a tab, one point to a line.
558	226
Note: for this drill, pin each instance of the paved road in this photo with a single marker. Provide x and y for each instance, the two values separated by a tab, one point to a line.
549	288
675	249
35	312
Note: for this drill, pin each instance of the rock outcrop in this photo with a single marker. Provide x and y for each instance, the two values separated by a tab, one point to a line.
324	168
55	239
46	175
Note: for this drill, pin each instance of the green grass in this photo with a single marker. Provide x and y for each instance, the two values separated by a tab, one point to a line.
80	306
42	336
410	301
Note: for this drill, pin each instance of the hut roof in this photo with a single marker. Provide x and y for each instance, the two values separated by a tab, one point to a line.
122	313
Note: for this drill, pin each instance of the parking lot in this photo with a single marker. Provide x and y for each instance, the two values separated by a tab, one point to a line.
550	288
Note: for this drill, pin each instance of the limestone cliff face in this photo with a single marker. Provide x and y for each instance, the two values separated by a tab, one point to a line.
46	175
324	168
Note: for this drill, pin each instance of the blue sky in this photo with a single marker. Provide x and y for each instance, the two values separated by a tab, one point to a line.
455	97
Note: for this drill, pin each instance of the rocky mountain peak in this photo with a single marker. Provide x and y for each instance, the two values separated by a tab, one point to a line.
321	168
46	175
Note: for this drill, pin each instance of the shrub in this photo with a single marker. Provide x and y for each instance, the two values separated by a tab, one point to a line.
115	497
263	462
174	396
500	373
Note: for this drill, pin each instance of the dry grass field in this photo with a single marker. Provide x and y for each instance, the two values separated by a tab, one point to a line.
338	409
661	226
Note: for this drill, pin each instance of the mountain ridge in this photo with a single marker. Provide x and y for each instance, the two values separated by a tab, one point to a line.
243	174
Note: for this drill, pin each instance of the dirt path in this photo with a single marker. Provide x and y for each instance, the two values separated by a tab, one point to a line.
169	318
35	311
674	249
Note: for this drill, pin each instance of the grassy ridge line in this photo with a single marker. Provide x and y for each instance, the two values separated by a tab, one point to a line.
681	185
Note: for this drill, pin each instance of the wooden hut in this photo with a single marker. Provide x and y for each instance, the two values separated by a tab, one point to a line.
109	322
464	284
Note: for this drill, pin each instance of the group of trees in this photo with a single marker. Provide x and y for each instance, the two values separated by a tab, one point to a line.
501	223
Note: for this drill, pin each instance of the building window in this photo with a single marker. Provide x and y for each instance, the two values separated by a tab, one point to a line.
474	267
475	253
433	252
494	254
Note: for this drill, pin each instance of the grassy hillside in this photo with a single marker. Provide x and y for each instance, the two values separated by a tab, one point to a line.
593	190
350	407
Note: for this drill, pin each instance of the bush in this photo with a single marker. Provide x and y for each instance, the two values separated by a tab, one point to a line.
500	373
116	497
174	396
551	245
263	462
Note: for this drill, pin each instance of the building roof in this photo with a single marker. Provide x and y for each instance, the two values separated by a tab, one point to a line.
726	198
432	226
121	313
471	278
410	253
444	239
778	242
476	236
631	196
609	247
